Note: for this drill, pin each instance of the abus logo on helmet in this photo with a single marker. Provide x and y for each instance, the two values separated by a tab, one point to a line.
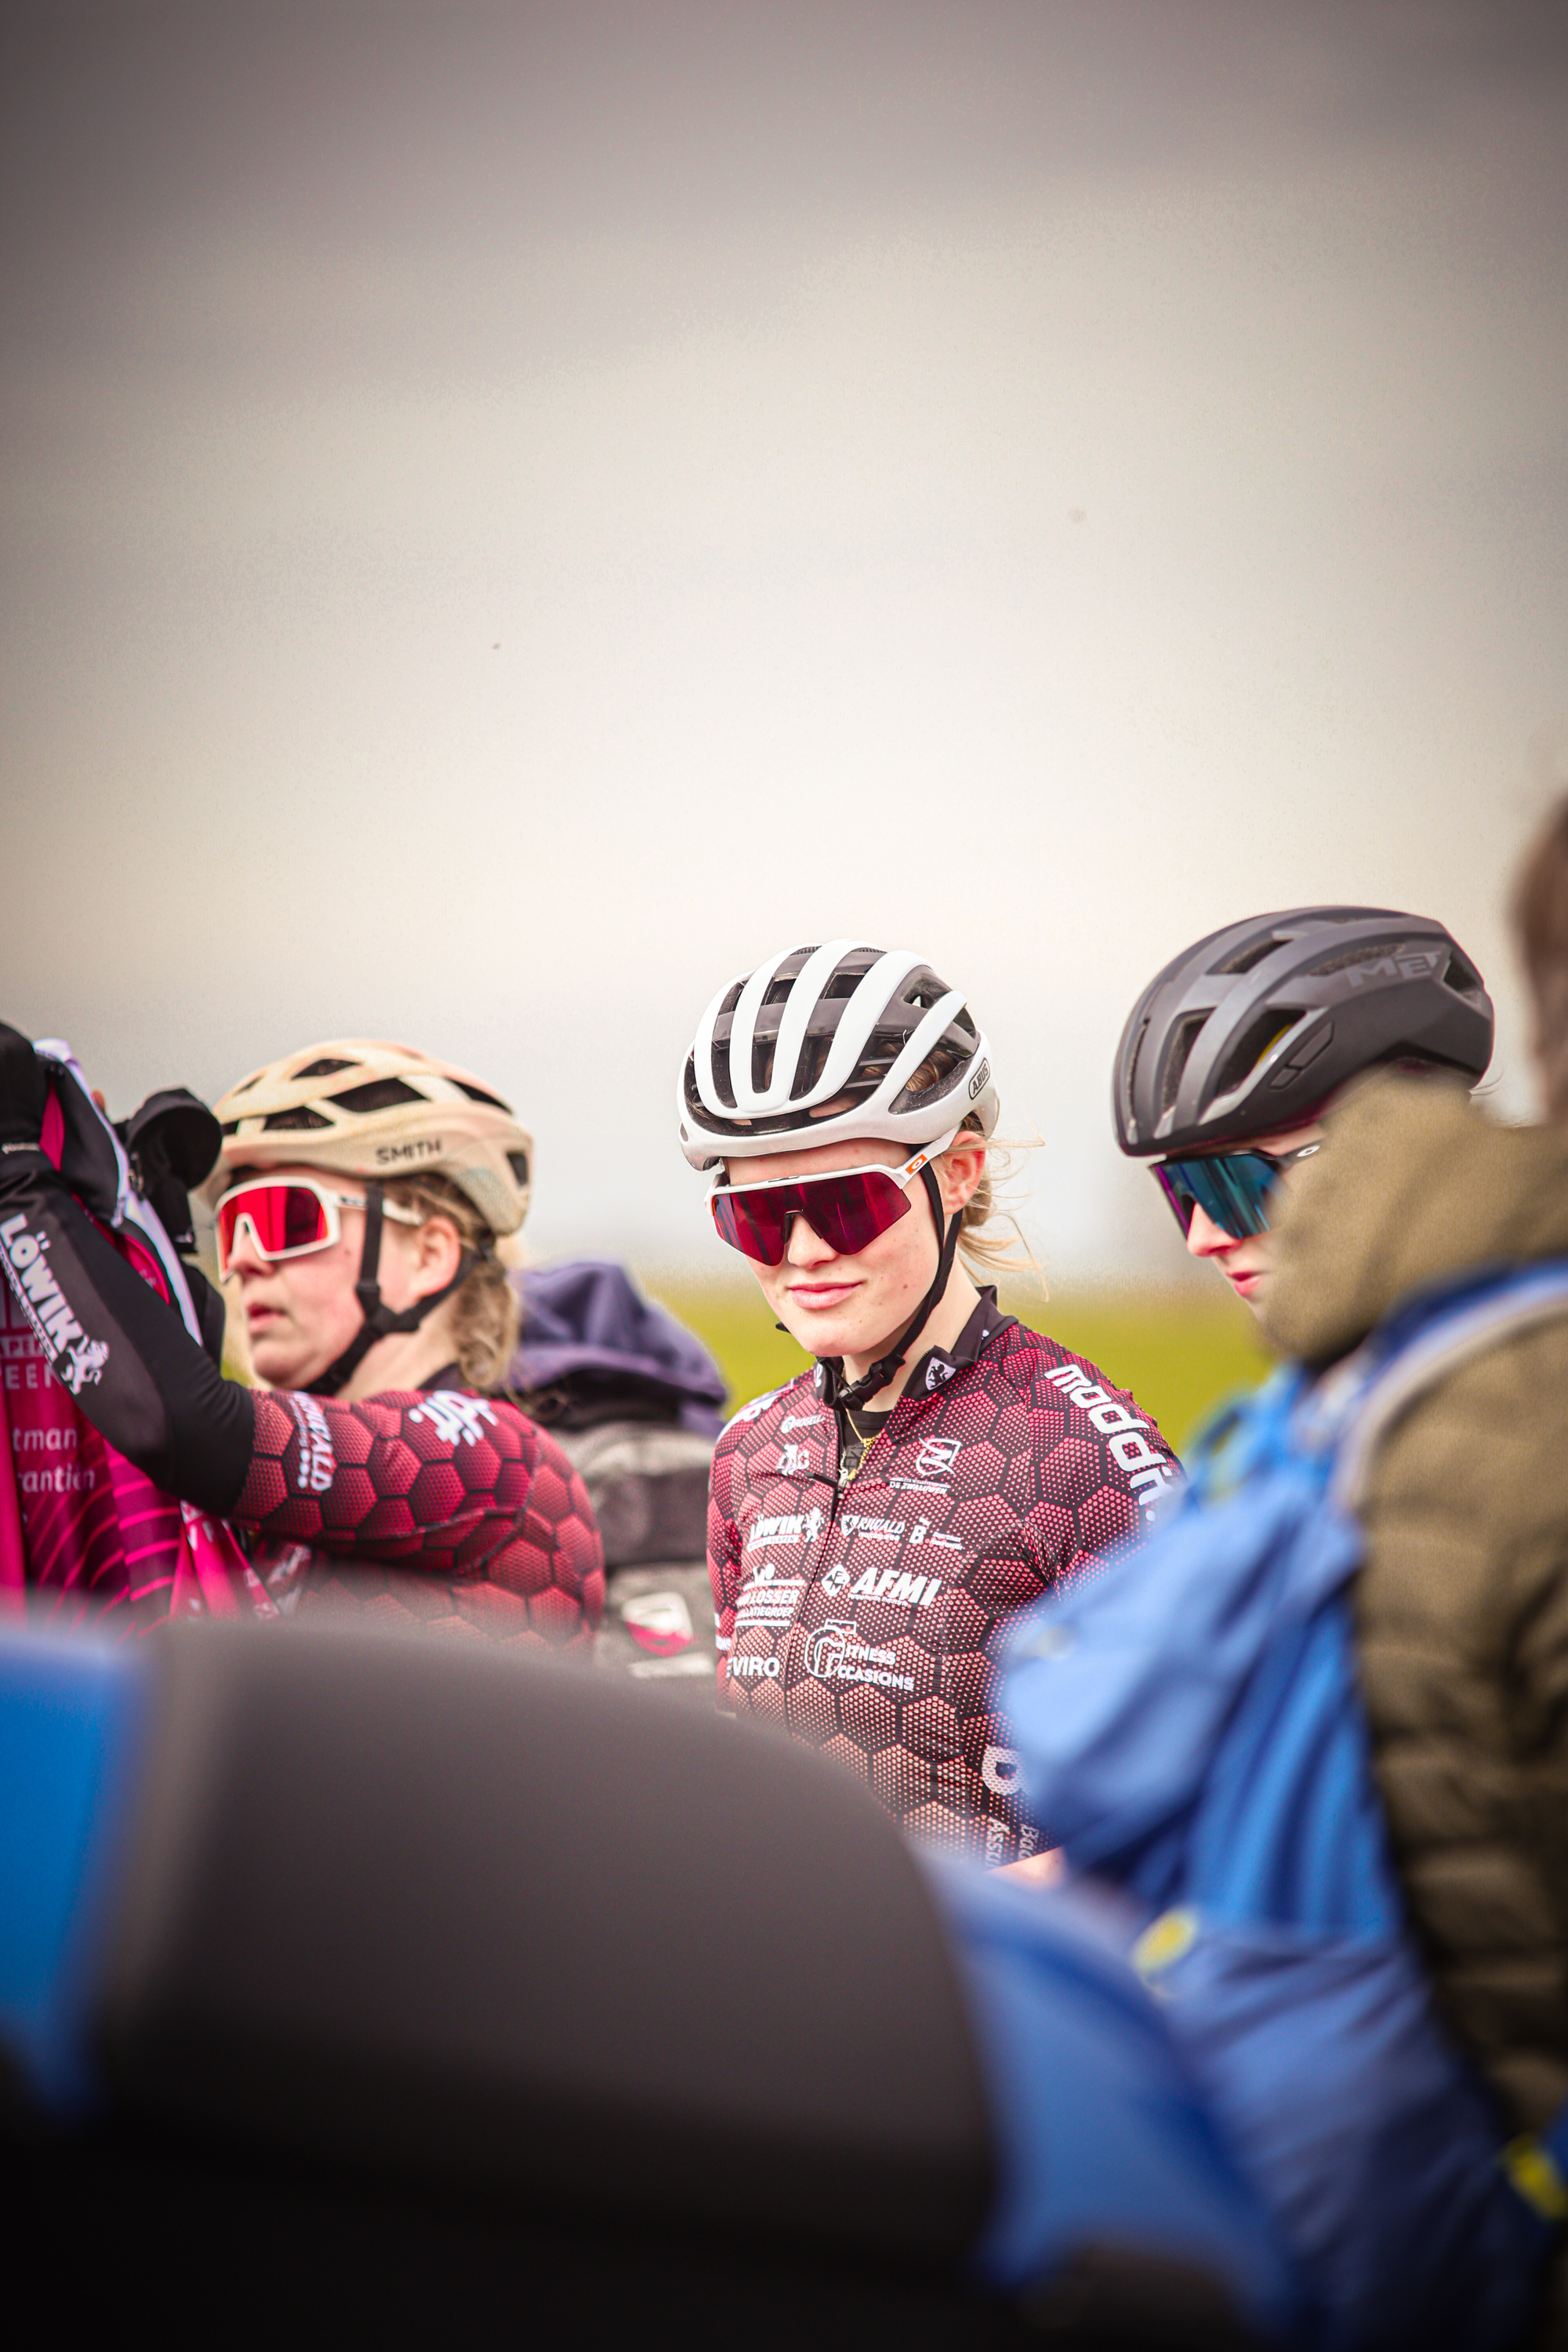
979	1080
76	1360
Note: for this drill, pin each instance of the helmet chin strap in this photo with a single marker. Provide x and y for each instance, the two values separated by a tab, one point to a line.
861	1391
380	1321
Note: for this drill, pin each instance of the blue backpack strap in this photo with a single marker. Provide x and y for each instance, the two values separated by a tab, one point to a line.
1431	1338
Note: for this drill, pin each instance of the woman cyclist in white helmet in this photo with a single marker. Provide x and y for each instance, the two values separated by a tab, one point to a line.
875	1524
367	1186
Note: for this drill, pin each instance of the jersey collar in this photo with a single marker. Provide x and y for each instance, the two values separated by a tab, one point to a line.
939	1365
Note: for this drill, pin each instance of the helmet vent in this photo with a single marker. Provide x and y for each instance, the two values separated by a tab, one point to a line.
518	1162
322	1069
256	1081
278	1122
1183	1039
1253	1044
476	1094
778	991
380	1094
732	999
1131	1079
933	1077
1461	979
1349	958
1245	958
843	984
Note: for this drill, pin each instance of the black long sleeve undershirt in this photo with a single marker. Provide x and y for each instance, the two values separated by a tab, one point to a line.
155	1394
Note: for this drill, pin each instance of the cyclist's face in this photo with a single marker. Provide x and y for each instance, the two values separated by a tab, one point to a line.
301	1313
1245	1264
851	1307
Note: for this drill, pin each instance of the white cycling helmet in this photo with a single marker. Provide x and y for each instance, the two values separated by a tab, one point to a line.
826	1042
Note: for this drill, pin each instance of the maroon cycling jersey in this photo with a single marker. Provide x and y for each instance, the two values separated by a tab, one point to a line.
435	1507
868	1619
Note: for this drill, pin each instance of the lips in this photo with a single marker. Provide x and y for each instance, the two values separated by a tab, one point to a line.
822	1294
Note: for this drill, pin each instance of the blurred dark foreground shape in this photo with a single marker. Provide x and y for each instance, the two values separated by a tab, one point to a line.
359	1985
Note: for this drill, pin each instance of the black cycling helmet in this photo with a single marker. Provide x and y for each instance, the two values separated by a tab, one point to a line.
1251	1030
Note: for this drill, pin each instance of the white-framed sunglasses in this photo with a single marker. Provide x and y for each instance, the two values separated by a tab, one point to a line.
288	1217
846	1209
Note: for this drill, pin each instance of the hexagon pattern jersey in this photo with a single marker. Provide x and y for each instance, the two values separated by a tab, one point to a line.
868	1621
438	1508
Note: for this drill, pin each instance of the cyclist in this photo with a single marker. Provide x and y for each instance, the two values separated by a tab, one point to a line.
875	1523
1232	1052
368	1184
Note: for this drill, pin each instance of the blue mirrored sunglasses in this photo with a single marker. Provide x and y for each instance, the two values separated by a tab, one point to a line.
1231	1188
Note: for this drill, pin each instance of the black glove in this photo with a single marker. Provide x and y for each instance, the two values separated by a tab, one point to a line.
24	1091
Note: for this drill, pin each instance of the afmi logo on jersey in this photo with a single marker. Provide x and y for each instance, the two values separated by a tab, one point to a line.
75	1360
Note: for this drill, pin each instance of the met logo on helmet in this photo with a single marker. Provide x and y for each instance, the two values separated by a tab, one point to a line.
1402	963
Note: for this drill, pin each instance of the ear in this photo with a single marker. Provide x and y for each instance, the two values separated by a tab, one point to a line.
435	1254
959	1172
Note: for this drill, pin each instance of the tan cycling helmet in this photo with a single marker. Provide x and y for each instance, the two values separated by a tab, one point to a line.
367	1108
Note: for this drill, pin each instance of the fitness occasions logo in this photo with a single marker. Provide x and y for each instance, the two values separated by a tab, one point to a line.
838	1654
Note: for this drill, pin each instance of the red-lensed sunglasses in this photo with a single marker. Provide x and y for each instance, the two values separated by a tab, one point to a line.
847	1210
288	1216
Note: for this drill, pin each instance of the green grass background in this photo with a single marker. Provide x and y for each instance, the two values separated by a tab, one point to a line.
1179	1352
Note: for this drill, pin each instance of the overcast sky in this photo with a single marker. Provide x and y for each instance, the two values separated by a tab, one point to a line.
513	515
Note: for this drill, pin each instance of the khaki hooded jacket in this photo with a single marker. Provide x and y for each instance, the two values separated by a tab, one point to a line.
1461	1604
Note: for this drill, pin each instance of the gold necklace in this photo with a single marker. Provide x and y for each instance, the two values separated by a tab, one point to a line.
847	1477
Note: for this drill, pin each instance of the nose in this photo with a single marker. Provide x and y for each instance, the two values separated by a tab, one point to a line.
805	1248
243	1256
1205	1238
